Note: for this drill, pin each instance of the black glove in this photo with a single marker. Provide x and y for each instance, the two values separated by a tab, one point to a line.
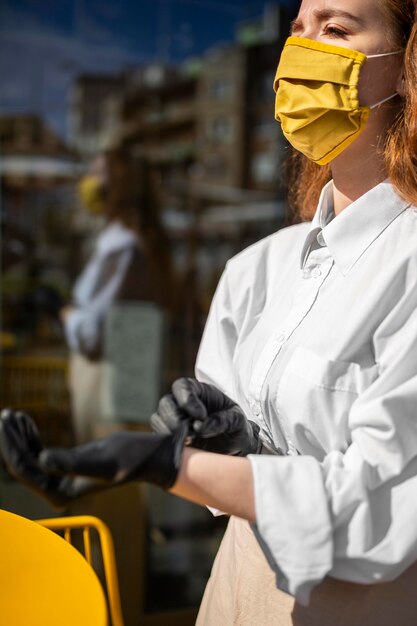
216	423
63	474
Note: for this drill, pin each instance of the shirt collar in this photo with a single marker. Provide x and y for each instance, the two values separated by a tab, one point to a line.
323	215
350	233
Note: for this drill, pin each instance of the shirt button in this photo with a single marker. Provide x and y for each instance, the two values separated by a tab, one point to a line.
306	274
316	272
281	337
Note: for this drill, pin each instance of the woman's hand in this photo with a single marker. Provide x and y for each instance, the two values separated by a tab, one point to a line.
66	312
215	422
63	474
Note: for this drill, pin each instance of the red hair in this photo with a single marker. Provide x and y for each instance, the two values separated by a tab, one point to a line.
401	144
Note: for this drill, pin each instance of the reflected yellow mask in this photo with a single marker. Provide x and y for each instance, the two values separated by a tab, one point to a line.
317	100
91	192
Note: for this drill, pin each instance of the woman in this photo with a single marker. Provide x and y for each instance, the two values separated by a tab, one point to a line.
130	263
313	332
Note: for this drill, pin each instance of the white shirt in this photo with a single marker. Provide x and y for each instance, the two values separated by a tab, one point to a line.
91	297
313	331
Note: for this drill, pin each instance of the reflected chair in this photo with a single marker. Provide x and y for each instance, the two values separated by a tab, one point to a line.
39	385
87	523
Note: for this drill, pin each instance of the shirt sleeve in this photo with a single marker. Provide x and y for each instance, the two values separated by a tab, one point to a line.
84	325
353	515
215	355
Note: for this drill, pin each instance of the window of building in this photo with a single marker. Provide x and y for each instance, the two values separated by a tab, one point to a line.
221	88
220	129
264	167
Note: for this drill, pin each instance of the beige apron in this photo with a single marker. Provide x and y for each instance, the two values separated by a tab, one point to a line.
91	416
85	383
242	592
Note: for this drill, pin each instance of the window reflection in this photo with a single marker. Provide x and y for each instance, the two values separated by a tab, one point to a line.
201	125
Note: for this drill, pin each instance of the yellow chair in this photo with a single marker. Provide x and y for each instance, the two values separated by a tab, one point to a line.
86	523
44	581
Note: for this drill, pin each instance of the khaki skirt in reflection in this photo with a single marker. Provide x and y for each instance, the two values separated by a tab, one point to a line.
242	591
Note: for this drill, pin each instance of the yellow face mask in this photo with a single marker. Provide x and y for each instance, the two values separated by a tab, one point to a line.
91	192
317	100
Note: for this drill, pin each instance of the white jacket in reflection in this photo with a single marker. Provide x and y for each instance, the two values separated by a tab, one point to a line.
313	331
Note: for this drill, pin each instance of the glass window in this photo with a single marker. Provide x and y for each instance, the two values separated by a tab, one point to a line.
221	88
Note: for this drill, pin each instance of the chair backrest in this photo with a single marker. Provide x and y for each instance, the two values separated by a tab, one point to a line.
86	523
44	581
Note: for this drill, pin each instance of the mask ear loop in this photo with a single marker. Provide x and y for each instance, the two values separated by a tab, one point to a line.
383	54
378	56
394	95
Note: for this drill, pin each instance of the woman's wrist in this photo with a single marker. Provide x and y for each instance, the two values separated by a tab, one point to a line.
216	480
